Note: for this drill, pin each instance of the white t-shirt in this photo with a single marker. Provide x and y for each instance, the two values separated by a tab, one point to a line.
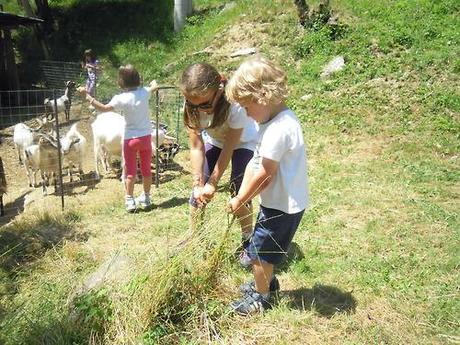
281	140
134	106
237	118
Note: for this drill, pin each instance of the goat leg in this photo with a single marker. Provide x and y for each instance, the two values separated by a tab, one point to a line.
19	156
44	181
69	172
34	172
55	183
2	211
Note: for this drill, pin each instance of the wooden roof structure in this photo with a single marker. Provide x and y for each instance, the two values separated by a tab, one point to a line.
12	21
8	71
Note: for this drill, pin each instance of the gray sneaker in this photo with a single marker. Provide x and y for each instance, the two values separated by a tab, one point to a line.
250	287
144	200
130	204
250	304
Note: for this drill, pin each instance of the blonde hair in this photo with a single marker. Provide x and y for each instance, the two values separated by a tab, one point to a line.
258	80
197	80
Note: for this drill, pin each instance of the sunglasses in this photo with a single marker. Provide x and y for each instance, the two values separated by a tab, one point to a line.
202	106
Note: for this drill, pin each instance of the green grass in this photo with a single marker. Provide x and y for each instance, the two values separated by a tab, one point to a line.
377	253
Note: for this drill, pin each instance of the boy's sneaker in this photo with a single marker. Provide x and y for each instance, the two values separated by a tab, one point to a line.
130	204
250	287
250	304
144	200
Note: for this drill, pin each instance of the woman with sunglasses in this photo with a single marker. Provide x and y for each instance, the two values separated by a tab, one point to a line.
218	132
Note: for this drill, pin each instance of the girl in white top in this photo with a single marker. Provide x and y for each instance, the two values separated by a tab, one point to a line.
218	132
133	104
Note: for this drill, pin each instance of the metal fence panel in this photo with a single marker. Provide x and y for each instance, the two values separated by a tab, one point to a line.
56	73
27	107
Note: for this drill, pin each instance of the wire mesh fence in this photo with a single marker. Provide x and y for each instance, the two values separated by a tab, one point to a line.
56	73
31	121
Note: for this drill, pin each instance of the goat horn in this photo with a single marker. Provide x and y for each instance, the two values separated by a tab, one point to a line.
48	138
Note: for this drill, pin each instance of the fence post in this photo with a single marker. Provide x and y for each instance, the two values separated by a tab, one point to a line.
56	116
157	123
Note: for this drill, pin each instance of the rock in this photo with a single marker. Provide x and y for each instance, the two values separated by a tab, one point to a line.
228	6
115	269
243	52
208	50
336	64
306	97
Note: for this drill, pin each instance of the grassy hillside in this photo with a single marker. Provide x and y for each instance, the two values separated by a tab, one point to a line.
375	259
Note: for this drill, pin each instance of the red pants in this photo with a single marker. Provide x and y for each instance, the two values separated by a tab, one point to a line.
131	147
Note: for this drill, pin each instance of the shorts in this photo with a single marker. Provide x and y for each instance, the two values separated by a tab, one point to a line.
240	158
273	233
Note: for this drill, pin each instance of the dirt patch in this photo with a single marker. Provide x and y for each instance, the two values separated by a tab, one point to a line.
238	36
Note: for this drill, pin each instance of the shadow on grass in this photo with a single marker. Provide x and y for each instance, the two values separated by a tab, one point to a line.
64	331
25	242
293	254
13	209
87	180
324	299
173	202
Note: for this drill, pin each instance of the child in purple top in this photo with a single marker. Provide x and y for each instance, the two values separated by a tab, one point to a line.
90	63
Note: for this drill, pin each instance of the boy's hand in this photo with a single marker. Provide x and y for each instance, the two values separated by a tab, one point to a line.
233	205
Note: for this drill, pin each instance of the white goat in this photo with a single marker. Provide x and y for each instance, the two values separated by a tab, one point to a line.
108	130
42	157
64	102
73	146
24	136
49	161
32	163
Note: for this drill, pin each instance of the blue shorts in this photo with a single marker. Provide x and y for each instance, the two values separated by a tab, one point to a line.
272	235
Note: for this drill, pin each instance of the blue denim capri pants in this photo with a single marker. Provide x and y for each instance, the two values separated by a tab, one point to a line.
273	233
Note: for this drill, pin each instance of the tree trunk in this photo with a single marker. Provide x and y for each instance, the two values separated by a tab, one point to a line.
37	29
44	12
302	11
10	62
182	9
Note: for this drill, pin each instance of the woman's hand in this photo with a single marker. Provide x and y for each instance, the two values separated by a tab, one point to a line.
82	90
153	86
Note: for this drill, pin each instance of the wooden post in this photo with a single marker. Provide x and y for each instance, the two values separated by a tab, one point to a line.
56	116
10	63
